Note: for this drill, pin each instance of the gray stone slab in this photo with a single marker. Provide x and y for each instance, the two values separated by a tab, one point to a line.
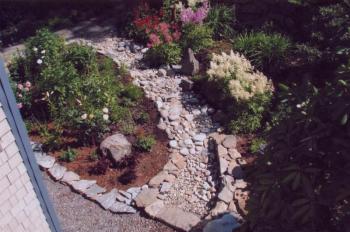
57	171
118	207
178	218
108	199
45	161
82	185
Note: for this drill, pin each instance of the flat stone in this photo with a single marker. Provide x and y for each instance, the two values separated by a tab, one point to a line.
122	198
118	207
240	184
232	207
158	179
146	197
178	218
178	160
230	141
57	171
108	199
165	187
226	195
199	137
45	161
82	185
220	207
125	194
153	209
170	178
223	165
218	137
170	167
234	154
70	176
94	190
222	151
226	223
134	191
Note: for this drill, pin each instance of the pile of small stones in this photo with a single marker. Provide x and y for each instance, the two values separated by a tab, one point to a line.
203	177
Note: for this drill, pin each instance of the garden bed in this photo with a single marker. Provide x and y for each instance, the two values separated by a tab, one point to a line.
144	165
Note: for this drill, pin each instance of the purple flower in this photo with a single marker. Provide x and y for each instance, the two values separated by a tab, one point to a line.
189	16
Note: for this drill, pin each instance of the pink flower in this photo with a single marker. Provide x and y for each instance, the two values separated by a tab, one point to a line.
20	86
154	40
20	95
19	105
28	84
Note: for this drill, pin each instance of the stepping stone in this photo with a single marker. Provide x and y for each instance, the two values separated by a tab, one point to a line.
108	199
134	191
153	209
118	207
178	160
223	165
170	167
45	161
220	207
230	141
158	179
82	185
70	176
178	218
226	195
146	197
94	190
57	171
165	187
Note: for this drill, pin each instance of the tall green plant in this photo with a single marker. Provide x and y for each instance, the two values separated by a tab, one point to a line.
221	19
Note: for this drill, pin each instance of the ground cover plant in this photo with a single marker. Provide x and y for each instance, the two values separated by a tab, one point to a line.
72	98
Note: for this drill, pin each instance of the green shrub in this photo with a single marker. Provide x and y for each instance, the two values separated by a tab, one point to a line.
145	143
70	86
197	37
257	145
221	20
169	53
301	182
267	52
82	57
142	117
69	155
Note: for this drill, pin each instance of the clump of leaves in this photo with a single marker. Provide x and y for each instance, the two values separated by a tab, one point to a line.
94	155
257	145
69	155
145	143
142	117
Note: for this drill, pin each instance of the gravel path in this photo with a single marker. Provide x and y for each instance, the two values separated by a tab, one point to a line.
77	214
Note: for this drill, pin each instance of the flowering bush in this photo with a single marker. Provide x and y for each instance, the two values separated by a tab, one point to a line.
188	15
70	87
243	93
243	82
151	27
163	54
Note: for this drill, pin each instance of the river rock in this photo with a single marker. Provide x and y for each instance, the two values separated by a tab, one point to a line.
117	146
57	171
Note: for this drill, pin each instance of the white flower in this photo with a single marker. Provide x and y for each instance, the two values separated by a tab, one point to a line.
84	116
35	49
298	106
269	163
43	52
105	110
39	61
105	117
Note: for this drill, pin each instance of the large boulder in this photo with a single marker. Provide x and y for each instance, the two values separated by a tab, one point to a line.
190	65
117	146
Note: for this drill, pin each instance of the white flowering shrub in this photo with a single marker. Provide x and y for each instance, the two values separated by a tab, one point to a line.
250	91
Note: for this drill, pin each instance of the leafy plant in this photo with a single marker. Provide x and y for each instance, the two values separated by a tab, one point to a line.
221	19
52	138
300	183
145	143
142	118
69	155
163	54
267	52
257	145
196	36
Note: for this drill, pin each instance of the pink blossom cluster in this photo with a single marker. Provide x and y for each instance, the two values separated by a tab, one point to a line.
188	15
22	90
